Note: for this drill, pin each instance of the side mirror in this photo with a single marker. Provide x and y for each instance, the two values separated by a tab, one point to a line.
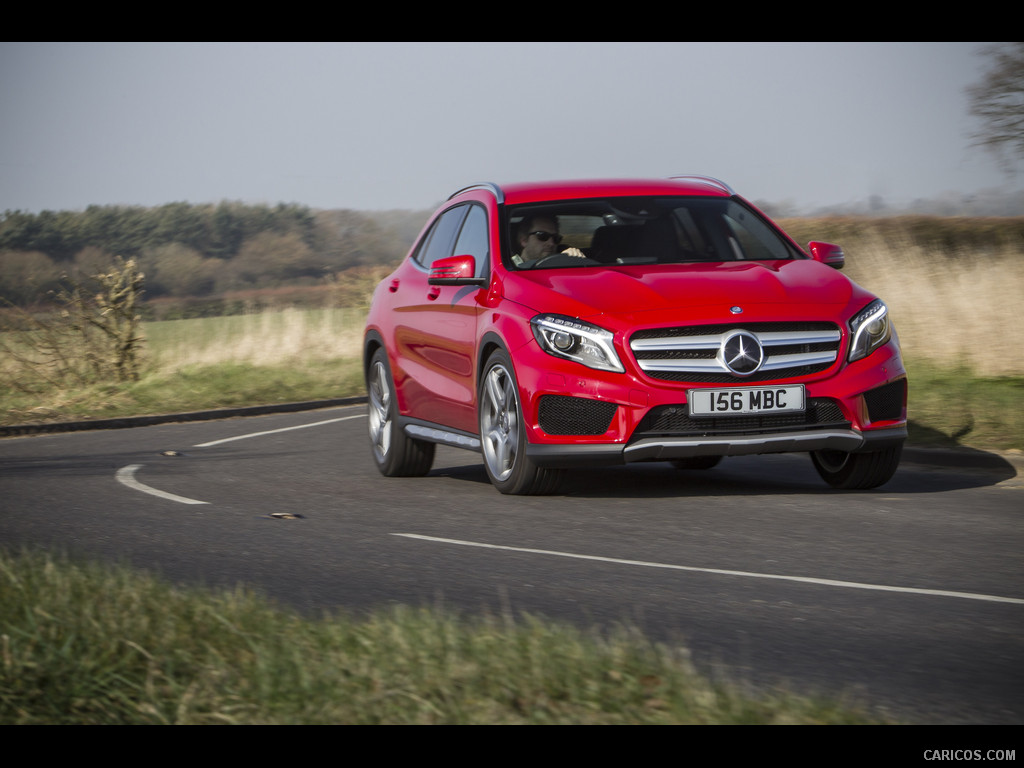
827	253
455	270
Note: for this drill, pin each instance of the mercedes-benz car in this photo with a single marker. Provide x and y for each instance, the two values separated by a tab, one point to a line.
555	325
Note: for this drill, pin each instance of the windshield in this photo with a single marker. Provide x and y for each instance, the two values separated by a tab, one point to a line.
635	230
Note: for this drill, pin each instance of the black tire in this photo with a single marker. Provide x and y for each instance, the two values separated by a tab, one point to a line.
395	453
503	437
696	462
857	471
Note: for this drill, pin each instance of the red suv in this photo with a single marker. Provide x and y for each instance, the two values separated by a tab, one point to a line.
580	323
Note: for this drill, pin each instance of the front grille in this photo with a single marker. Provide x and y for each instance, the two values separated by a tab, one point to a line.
562	415
886	402
692	353
675	421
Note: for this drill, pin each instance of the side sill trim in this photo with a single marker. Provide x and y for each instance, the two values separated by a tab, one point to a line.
443	436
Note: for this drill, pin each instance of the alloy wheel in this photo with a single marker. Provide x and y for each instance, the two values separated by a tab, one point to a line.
499	422
379	411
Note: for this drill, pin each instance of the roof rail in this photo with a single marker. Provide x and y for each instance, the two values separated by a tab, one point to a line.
708	180
483	185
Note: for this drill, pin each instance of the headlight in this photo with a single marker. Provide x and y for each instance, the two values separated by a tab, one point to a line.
869	329
572	339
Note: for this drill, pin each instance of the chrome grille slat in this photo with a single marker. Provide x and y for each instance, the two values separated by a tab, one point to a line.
775	362
775	338
709	364
691	342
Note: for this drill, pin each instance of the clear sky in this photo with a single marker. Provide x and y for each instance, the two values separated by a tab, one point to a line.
374	126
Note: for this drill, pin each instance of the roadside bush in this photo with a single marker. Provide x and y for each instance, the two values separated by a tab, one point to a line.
93	335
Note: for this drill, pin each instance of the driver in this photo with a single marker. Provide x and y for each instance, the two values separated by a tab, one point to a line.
538	239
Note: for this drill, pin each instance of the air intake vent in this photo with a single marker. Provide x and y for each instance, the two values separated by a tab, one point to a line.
561	415
886	402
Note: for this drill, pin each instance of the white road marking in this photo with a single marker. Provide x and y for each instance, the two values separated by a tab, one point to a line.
274	431
126	476
723	572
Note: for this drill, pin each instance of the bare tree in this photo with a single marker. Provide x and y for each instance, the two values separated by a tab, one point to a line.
109	313
94	335
998	101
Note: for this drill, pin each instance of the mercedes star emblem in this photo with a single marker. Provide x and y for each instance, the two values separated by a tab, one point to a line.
741	353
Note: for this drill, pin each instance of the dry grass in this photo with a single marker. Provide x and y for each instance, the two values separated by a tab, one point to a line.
948	310
270	338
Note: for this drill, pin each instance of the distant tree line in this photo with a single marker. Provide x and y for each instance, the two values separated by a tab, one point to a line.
197	250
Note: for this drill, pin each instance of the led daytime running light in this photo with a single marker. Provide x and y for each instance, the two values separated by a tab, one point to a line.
581	342
870	329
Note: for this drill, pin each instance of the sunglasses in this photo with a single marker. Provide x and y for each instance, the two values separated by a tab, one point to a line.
545	236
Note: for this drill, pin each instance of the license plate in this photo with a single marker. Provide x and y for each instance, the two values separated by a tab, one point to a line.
741	401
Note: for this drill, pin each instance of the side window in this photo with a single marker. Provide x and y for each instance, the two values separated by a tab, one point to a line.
438	242
474	240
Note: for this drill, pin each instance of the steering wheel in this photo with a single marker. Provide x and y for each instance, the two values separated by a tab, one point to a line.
569	260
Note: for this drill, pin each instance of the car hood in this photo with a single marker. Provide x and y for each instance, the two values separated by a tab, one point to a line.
687	291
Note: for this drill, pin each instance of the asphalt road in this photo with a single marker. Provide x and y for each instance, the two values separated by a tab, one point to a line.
908	599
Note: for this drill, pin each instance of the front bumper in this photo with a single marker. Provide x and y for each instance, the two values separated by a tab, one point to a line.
602	418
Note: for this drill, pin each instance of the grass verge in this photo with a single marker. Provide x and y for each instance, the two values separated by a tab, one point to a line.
951	406
194	387
83	643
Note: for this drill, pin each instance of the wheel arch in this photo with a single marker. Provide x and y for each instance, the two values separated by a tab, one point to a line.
489	342
372	341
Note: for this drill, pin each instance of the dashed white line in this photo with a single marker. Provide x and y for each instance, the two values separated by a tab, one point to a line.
274	431
724	572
